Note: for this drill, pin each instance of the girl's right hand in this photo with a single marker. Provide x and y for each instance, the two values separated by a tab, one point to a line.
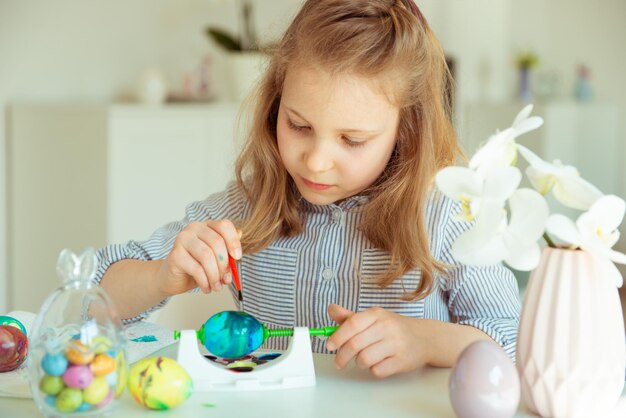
199	258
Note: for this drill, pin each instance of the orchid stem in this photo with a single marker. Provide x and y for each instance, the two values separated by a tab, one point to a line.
548	240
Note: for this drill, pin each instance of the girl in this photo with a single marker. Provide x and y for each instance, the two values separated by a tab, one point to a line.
335	199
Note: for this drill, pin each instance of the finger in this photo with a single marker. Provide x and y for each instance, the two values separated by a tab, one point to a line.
190	266
374	354
387	367
205	256
353	325
355	346
338	313
226	229
220	255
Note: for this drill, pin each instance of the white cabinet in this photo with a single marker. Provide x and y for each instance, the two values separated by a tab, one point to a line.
88	175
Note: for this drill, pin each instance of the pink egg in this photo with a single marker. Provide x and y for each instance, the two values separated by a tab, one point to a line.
78	376
484	383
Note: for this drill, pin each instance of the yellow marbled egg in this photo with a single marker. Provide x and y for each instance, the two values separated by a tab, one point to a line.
159	383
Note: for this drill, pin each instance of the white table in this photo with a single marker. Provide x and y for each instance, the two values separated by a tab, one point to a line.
348	393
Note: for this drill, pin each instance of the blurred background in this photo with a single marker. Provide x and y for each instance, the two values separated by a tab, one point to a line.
116	114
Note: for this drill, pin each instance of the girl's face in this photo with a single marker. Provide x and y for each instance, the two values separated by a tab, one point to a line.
335	134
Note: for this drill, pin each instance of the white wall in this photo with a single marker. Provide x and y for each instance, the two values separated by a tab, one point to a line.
72	50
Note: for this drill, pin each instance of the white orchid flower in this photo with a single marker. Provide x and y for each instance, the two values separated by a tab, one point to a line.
595	231
501	148
564	180
471	188
495	238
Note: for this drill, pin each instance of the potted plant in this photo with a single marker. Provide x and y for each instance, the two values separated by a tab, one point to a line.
245	61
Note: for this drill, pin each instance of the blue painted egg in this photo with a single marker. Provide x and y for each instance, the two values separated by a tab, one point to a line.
232	334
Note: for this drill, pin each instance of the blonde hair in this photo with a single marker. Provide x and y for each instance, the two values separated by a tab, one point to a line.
387	40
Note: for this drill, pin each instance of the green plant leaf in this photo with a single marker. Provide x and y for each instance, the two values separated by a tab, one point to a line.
224	39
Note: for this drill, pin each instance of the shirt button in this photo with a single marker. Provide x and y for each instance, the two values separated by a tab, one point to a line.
337	215
328	273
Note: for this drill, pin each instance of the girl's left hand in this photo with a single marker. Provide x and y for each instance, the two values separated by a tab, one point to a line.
379	340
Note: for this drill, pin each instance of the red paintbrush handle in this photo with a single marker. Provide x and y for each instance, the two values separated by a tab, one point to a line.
233	269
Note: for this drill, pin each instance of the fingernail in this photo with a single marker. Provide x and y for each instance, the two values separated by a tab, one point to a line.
330	346
237	254
228	277
218	286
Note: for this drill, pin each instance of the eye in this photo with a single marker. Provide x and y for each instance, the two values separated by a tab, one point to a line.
352	143
297	128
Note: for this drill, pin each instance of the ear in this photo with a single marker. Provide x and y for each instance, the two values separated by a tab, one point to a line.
339	313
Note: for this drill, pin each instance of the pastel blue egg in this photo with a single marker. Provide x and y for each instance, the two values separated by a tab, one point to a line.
54	364
50	400
232	334
83	407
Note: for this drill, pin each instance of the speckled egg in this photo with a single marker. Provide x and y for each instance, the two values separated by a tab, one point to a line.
102	365
69	399
51	385
79	354
78	377
97	391
484	383
54	364
159	383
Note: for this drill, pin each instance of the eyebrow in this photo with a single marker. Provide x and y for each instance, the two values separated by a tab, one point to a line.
346	130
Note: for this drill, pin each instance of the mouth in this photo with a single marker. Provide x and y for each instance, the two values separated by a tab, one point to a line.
315	186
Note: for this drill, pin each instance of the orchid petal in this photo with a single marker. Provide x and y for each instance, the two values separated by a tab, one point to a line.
528	125
458	182
529	213
609	212
603	252
523	114
502	182
617	257
467	251
523	123
611	239
522	255
535	161
499	151
482	245
564	228
575	192
539	180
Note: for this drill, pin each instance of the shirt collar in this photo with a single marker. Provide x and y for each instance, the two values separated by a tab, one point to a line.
346	204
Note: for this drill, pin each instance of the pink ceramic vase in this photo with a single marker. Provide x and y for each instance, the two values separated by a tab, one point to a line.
571	349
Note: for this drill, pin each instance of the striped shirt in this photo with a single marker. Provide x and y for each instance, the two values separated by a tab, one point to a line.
292	281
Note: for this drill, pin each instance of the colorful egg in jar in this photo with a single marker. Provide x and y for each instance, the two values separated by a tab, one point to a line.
77	351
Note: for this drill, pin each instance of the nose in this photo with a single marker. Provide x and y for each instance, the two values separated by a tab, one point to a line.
319	158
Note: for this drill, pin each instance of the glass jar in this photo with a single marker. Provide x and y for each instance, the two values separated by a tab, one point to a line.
77	360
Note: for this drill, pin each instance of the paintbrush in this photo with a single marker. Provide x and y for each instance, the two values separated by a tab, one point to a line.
233	269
